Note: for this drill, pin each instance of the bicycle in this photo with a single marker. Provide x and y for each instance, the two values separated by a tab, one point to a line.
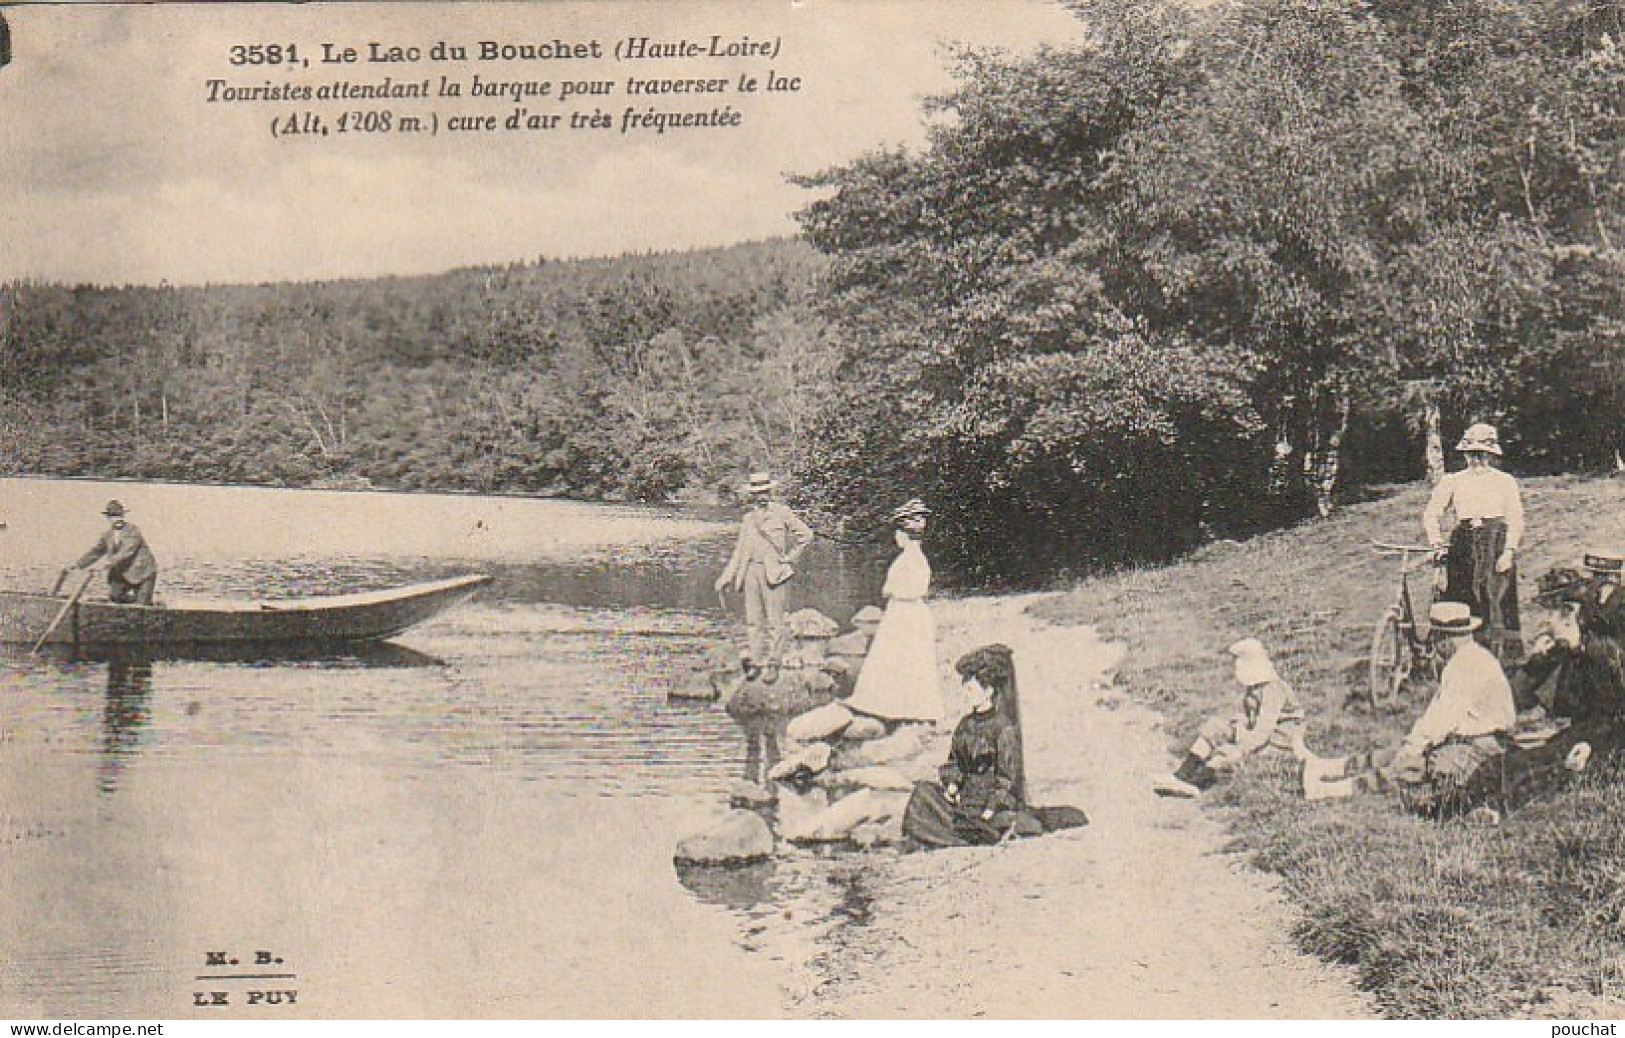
1400	646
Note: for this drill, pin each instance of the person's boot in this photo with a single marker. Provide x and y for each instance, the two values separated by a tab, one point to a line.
1187	780
1190	769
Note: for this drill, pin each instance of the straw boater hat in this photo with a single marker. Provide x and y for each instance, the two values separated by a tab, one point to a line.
1481	438
760	483
1605	560
1253	666
1453	618
912	509
114	510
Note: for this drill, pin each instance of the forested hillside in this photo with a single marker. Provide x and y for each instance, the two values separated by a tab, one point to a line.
637	377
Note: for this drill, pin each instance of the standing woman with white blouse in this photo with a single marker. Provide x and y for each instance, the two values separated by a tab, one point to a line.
1481	565
898	681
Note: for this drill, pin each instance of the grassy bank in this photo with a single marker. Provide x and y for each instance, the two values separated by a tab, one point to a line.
1439	920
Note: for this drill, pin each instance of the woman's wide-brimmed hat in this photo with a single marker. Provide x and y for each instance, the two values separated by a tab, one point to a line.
994	666
114	509
1605	560
760	483
911	510
1253	666
1453	618
1481	438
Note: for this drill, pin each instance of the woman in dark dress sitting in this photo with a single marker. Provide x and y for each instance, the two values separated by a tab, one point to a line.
982	795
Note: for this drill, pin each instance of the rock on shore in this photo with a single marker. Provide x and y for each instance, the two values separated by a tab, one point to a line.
740	838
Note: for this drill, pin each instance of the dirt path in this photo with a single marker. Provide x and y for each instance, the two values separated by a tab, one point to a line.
1140	915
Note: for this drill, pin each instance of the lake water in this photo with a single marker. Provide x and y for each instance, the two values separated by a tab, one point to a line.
476	819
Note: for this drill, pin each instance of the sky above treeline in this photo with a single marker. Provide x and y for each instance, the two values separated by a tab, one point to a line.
116	168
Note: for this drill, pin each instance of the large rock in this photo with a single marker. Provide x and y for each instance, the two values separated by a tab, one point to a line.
879	834
749	795
809	652
819	723
875	776
741	837
797	808
852	643
838	667
867	619
805	762
901	745
839	820
811	624
816	681
864	728
924	767
810	633
795	692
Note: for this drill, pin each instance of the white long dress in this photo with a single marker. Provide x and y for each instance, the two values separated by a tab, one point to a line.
898	681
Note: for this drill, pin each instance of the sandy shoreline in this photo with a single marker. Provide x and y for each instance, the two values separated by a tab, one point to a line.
1141	915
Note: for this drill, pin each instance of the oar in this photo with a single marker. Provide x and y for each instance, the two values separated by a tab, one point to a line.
64	612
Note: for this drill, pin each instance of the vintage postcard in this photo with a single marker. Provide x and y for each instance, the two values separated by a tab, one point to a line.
839	509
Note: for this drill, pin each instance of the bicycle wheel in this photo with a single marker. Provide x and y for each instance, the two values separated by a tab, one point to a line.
1390	660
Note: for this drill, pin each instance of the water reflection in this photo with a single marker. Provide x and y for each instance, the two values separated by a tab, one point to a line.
761	745
737	887
339	655
126	713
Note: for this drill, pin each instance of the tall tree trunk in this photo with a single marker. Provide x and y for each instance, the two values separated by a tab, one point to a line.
1329	424
1435	441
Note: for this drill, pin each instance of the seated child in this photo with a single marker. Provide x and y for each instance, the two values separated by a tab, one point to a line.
1269	716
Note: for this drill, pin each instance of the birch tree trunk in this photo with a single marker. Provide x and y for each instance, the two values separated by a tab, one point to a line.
1324	455
1435	442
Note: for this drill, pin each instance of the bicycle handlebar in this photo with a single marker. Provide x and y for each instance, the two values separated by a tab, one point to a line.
1385	548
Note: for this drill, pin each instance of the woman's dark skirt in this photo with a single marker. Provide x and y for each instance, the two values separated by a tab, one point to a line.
935	821
1493	597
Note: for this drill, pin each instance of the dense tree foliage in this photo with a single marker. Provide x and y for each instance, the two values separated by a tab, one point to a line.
638	377
1151	286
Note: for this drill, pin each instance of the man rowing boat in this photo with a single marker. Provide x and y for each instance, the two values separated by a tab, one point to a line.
132	572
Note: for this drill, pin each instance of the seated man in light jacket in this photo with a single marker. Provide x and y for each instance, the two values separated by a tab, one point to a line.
1463	730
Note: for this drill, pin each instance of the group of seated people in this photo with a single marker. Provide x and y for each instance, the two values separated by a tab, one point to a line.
1489	740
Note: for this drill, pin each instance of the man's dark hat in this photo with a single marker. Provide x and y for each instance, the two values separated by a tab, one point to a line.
114	510
1605	560
1562	585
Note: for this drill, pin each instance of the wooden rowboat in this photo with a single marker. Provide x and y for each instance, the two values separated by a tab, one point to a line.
366	616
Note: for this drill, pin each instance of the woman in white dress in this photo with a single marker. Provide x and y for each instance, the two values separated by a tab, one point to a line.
898	681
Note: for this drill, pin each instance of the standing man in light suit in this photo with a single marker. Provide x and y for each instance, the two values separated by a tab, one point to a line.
772	540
